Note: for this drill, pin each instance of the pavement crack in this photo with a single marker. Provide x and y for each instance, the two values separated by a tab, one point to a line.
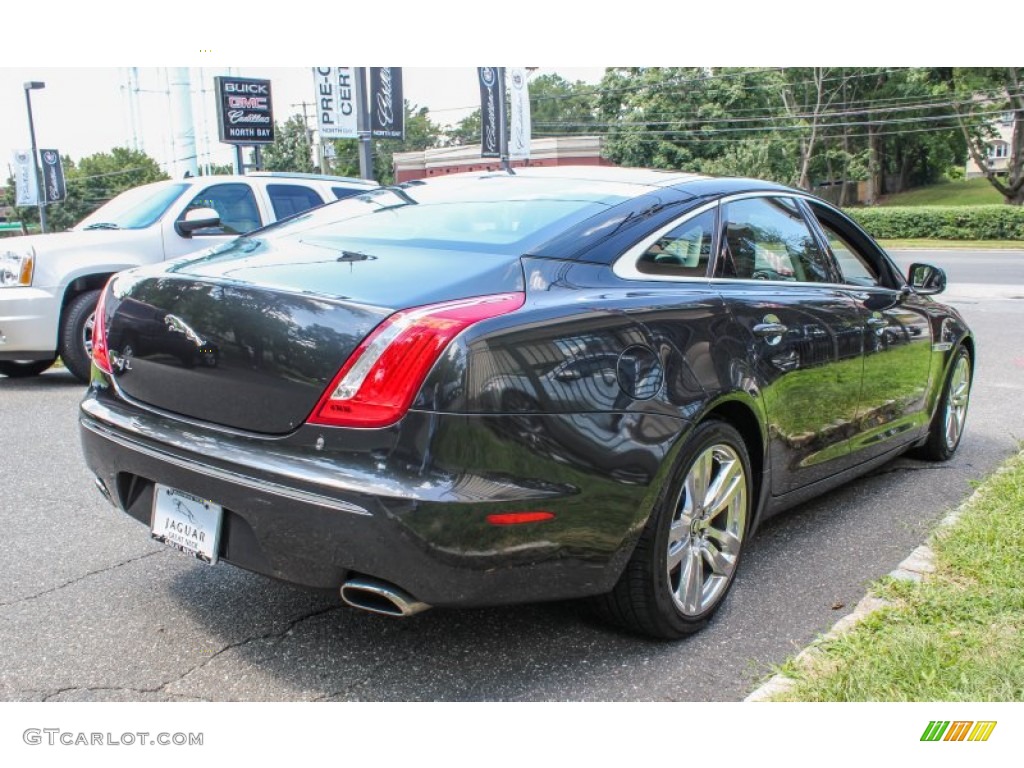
77	579
279	634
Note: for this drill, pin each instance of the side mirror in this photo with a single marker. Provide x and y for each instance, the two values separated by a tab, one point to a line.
196	218
926	279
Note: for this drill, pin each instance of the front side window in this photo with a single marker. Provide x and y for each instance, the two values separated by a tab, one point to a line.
856	269
234	203
765	238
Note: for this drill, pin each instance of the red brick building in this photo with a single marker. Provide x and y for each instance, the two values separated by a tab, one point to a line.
563	150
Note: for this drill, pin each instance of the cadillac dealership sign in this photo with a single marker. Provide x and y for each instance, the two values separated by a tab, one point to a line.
244	114
54	188
387	106
492	110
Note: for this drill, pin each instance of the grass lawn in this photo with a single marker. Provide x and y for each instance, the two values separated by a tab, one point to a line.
956	636
973	192
943	245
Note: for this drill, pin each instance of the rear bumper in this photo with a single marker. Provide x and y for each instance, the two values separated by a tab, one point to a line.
388	503
28	323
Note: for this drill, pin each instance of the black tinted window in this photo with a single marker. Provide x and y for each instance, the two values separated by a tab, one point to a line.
684	251
766	238
340	192
289	199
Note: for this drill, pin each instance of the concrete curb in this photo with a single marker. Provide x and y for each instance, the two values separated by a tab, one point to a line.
915	567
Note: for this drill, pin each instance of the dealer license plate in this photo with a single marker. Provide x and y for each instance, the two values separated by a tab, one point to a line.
186	522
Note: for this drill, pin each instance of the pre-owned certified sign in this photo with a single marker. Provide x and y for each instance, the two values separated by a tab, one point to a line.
244	113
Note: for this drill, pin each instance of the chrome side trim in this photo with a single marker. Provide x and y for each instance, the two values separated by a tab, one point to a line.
625	266
263	486
942	346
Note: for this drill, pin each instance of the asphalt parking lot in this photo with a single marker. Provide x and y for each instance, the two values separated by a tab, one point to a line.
90	609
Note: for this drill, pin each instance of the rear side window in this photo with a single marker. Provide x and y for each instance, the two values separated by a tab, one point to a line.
765	238
684	251
289	199
340	192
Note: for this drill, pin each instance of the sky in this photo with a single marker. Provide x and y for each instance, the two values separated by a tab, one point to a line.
83	49
84	110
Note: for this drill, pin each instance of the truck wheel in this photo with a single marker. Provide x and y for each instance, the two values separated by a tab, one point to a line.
76	334
22	369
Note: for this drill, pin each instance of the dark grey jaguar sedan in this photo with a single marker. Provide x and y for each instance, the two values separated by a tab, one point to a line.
494	388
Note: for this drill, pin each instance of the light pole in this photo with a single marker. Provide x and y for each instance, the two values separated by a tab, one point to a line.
35	85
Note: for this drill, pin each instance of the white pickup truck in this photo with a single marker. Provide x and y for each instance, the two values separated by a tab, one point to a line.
49	284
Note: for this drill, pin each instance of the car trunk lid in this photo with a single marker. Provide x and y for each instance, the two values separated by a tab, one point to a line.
249	337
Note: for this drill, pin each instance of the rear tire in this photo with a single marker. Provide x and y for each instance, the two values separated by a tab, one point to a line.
947	427
76	334
23	369
686	559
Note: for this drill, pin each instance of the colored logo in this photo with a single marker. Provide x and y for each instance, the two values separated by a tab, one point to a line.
487	76
958	730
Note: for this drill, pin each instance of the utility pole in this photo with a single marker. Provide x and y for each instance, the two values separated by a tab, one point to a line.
40	183
503	124
365	140
309	134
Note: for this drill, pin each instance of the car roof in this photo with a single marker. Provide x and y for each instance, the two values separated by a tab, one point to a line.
644	180
648	177
313	177
270	176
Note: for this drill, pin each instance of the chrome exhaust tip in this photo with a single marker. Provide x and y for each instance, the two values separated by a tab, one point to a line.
380	597
102	487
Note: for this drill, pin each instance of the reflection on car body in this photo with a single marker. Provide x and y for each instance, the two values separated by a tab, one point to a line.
563	383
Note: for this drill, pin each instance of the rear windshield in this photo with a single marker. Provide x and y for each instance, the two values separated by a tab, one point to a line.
498	214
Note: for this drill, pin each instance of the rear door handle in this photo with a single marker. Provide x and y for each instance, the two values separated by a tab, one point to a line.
769	329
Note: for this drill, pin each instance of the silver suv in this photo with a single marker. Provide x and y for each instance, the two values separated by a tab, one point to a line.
49	284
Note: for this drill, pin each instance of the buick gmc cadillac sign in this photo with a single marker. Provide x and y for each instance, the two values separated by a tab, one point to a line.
244	113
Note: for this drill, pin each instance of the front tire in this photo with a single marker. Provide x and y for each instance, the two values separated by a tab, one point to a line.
686	559
76	334
947	427
23	369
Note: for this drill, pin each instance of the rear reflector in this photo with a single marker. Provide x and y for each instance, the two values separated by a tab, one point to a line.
100	351
518	518
380	379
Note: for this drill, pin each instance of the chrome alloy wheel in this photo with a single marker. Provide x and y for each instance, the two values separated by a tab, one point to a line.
706	532
87	331
956	401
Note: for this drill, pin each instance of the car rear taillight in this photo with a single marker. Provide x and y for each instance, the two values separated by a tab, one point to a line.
378	382
100	351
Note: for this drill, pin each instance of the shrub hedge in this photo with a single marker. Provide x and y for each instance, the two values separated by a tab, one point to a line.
978	222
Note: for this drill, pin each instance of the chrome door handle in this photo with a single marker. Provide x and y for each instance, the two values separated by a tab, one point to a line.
769	329
877	322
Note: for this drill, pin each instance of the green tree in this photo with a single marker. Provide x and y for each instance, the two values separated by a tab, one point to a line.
292	150
465	132
93	181
558	106
981	96
684	117
420	133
